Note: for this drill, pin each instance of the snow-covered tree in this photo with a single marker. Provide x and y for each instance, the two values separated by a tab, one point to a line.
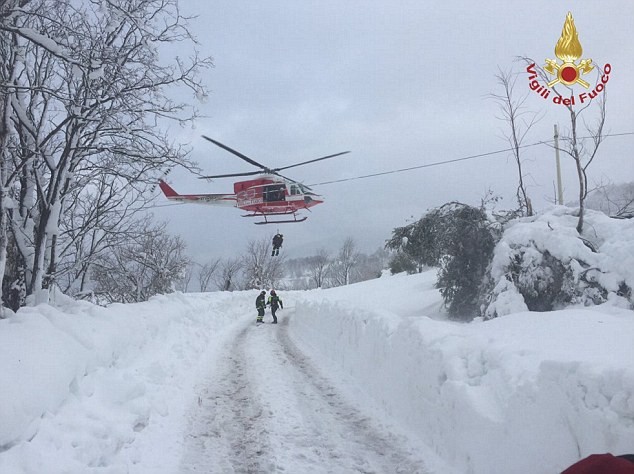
467	246
9	59
85	100
459	239
416	244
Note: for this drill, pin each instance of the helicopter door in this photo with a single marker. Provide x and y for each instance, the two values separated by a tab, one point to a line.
274	192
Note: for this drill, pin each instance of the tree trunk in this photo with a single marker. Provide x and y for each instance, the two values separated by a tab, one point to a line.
37	272
580	174
4	217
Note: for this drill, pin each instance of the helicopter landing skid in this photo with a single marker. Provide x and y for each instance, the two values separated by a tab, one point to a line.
285	221
265	221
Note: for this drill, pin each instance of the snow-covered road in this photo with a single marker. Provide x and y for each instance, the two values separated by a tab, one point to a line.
266	408
353	379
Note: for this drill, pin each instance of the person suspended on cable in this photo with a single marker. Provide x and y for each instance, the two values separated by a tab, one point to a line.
274	302
277	243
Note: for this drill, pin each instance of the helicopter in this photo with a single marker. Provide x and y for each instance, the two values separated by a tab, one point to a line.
267	195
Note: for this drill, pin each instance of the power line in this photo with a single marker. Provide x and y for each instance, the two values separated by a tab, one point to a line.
427	165
438	163
164	205
171	204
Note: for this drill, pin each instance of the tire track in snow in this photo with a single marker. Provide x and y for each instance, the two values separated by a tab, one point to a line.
352	441
267	409
228	434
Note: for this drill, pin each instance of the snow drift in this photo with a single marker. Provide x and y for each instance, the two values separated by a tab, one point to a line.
527	393
83	387
87	389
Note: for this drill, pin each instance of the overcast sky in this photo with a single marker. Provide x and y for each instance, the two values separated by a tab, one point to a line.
399	84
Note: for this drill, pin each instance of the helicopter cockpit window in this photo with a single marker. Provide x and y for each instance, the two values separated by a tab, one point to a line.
295	190
274	192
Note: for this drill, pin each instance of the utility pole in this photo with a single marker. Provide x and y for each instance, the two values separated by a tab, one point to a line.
560	193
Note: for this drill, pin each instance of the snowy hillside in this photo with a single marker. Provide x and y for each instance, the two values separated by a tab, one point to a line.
162	386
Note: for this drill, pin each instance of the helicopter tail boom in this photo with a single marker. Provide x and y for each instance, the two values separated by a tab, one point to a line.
217	199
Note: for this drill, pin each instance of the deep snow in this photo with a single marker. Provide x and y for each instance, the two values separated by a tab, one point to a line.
140	388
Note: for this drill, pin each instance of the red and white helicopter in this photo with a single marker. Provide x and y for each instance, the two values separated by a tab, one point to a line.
270	194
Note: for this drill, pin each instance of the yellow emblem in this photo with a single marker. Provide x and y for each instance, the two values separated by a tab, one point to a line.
568	49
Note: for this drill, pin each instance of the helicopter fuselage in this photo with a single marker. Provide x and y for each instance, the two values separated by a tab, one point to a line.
270	194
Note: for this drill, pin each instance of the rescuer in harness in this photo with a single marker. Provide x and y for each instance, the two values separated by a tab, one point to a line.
277	243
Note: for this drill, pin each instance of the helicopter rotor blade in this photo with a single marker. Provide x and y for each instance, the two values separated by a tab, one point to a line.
309	161
231	175
237	153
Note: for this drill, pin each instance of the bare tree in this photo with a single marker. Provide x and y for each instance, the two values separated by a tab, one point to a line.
206	272
345	263
148	265
520	121
583	156
229	276
98	218
261	270
582	149
318	267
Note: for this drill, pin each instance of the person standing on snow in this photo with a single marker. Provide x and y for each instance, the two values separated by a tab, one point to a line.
274	302
260	305
277	243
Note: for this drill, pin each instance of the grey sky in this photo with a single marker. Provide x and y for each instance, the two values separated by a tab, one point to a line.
400	84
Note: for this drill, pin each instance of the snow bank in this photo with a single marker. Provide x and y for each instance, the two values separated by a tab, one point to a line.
89	388
527	393
86	389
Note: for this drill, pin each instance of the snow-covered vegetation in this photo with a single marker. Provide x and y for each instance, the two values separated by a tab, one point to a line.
490	265
457	238
542	263
91	389
540	376
85	97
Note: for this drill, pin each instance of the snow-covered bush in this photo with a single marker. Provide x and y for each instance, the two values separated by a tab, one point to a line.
402	262
459	239
542	263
